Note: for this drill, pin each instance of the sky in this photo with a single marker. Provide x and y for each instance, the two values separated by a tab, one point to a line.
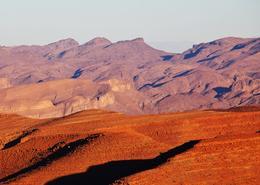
172	25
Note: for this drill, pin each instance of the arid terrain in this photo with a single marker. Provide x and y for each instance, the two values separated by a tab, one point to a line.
130	76
97	147
105	113
134	92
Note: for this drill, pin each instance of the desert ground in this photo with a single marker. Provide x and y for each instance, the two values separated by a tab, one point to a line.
98	147
135	92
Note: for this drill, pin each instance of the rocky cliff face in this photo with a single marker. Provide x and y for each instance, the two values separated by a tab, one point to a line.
135	78
64	97
4	83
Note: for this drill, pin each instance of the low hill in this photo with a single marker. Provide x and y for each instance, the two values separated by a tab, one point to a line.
103	147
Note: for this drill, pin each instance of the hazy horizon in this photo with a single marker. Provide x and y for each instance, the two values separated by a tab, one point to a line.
170	25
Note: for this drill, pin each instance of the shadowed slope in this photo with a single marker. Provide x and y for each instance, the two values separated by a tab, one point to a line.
58	152
110	172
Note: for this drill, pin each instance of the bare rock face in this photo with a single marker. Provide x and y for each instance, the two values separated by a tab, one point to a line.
63	44
64	97
50	99
118	86
128	76
5	83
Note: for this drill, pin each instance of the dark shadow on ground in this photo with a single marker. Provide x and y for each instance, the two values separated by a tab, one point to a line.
17	140
56	153
110	172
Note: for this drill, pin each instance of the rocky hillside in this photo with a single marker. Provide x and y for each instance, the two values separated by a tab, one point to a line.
128	76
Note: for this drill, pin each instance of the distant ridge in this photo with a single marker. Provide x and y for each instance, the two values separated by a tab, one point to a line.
134	77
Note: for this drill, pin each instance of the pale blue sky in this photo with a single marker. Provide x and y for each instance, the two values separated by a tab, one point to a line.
169	24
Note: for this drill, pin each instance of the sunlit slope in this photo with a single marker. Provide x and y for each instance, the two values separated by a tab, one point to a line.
101	147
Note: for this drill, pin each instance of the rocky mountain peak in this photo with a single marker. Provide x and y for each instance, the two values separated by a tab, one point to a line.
98	41
63	44
139	39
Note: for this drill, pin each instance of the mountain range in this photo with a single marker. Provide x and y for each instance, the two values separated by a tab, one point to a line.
130	76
